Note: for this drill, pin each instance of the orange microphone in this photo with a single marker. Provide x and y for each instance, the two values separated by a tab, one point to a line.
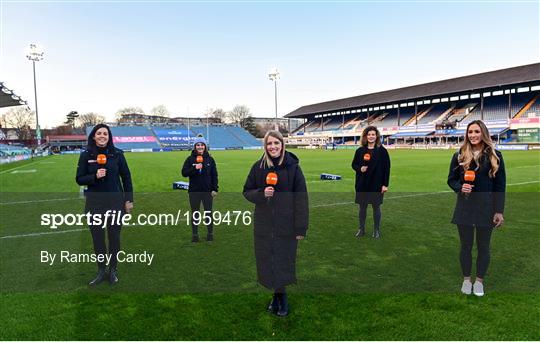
469	178
101	160
367	158
200	160
271	181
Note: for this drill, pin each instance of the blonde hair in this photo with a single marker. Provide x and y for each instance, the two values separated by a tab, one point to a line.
466	155
266	160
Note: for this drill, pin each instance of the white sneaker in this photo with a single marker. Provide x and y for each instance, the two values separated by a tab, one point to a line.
466	287
478	289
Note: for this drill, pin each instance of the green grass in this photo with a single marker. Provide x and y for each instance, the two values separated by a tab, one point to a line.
405	286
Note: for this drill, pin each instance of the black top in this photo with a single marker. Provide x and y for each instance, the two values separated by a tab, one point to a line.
204	180
488	194
117	179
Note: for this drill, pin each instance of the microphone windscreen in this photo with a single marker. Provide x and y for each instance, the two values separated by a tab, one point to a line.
101	159
271	178
470	176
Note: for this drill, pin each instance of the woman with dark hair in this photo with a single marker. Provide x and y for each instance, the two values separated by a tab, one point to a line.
104	170
372	166
478	176
201	169
277	187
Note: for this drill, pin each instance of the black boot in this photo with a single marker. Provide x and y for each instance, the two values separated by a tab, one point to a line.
376	233
113	275
273	306
210	237
195	238
361	232
100	276
283	305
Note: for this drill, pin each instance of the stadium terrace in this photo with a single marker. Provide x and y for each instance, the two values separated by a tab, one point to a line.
433	114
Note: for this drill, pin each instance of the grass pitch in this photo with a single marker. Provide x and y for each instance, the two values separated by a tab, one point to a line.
404	286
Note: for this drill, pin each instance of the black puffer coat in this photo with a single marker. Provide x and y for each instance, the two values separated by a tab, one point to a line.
278	220
368	184
487	196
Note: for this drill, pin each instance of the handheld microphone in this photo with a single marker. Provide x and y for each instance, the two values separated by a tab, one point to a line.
200	160
102	160
366	158
469	178
271	181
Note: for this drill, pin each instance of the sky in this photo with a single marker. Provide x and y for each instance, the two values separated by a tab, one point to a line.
101	56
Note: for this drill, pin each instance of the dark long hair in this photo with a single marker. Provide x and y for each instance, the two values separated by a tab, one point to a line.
363	139
92	147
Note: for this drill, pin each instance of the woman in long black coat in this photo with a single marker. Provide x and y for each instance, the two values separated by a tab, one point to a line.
372	166
480	201
281	217
203	186
109	187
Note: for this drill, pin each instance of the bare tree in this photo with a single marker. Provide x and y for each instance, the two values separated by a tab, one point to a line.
239	113
219	114
160	110
128	110
20	118
89	119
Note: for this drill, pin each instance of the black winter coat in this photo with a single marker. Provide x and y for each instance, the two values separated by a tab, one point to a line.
368	184
110	192
204	180
278	220
487	197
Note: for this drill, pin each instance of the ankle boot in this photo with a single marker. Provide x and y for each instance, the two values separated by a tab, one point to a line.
100	276
274	305
283	305
113	275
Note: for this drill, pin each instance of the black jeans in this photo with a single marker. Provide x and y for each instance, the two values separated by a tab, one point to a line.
195	199
483	238
100	247
376	215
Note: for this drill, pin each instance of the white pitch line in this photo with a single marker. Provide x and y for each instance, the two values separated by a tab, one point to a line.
18	167
39	201
521	167
42	233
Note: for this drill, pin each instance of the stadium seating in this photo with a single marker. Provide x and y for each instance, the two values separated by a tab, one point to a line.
141	137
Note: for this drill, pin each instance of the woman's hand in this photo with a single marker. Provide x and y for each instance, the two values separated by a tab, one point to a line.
498	219
384	189
198	166
363	169
214	193
268	192
467	188
129	207
300	237
101	173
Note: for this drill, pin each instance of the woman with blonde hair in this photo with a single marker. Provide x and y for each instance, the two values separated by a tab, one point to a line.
277	187
478	176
